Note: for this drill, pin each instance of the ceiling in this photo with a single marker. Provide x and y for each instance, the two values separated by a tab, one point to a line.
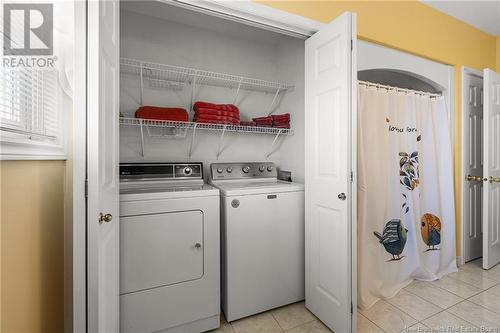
484	15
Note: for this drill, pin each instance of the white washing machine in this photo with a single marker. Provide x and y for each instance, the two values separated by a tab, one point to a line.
169	249
262	238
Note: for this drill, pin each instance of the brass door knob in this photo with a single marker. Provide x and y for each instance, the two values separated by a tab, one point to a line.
104	218
494	179
474	178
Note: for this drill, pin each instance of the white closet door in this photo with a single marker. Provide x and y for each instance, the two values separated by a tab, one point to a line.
102	166
473	168
491	188
330	222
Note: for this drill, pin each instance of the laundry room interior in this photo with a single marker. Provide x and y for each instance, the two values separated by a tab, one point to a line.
267	166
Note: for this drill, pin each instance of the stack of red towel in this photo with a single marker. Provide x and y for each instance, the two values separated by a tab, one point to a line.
247	123
281	120
161	113
264	121
216	113
278	121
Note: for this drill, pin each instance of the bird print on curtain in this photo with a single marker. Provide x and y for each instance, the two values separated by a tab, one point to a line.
430	229
393	238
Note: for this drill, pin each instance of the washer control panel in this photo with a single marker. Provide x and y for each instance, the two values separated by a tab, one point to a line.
243	170
157	171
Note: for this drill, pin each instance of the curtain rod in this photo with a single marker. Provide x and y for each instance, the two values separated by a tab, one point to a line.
383	86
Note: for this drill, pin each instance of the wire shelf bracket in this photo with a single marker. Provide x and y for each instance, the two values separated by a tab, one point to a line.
221	141
273	150
191	144
142	137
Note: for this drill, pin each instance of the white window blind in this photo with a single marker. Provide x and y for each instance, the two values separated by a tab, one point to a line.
29	104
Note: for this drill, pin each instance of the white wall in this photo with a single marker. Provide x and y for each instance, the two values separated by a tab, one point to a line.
274	58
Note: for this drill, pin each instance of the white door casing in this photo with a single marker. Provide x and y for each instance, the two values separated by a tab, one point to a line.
102	166
491	153
330	219
473	166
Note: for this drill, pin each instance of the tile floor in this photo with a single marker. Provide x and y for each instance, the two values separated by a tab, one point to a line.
465	301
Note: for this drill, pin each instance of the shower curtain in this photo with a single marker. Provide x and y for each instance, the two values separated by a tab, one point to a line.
406	219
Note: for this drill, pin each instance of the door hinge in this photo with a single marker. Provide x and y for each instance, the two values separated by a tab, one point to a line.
86	188
352	310
352	45
352	176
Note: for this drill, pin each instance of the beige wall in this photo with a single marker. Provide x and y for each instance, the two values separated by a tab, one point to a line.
32	241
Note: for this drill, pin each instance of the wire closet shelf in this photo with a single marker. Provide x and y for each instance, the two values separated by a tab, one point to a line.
184	125
177	77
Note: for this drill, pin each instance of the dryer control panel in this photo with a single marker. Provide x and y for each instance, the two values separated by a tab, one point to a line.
243	170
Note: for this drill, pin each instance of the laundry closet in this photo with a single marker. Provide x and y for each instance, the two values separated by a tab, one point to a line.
226	75
173	57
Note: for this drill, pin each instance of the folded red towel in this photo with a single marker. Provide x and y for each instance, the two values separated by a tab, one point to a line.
213	106
234	114
215	117
281	117
282	126
162	113
247	123
281	123
213	121
263	119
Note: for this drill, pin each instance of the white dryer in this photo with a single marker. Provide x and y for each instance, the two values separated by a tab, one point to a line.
169	249
262	238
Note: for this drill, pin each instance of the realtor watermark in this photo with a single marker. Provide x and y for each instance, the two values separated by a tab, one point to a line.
451	329
28	35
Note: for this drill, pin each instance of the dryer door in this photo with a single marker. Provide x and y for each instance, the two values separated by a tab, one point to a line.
161	249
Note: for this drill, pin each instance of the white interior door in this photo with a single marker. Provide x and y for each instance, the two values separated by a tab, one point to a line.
473	166
491	152
329	160
102	166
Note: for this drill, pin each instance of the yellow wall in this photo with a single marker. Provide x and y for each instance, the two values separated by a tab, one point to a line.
32	240
418	29
498	53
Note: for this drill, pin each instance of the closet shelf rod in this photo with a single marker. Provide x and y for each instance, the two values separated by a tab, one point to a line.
383	86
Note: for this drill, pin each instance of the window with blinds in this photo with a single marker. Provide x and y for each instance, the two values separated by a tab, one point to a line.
29	104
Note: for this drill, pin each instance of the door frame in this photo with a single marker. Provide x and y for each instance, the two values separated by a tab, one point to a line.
75	275
465	71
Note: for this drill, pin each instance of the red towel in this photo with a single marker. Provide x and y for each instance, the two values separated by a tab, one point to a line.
282	126
216	119
212	121
263	119
161	113
247	123
234	114
221	107
281	117
281	123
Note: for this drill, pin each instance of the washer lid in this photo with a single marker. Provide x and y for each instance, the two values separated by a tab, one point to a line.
130	191
232	188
